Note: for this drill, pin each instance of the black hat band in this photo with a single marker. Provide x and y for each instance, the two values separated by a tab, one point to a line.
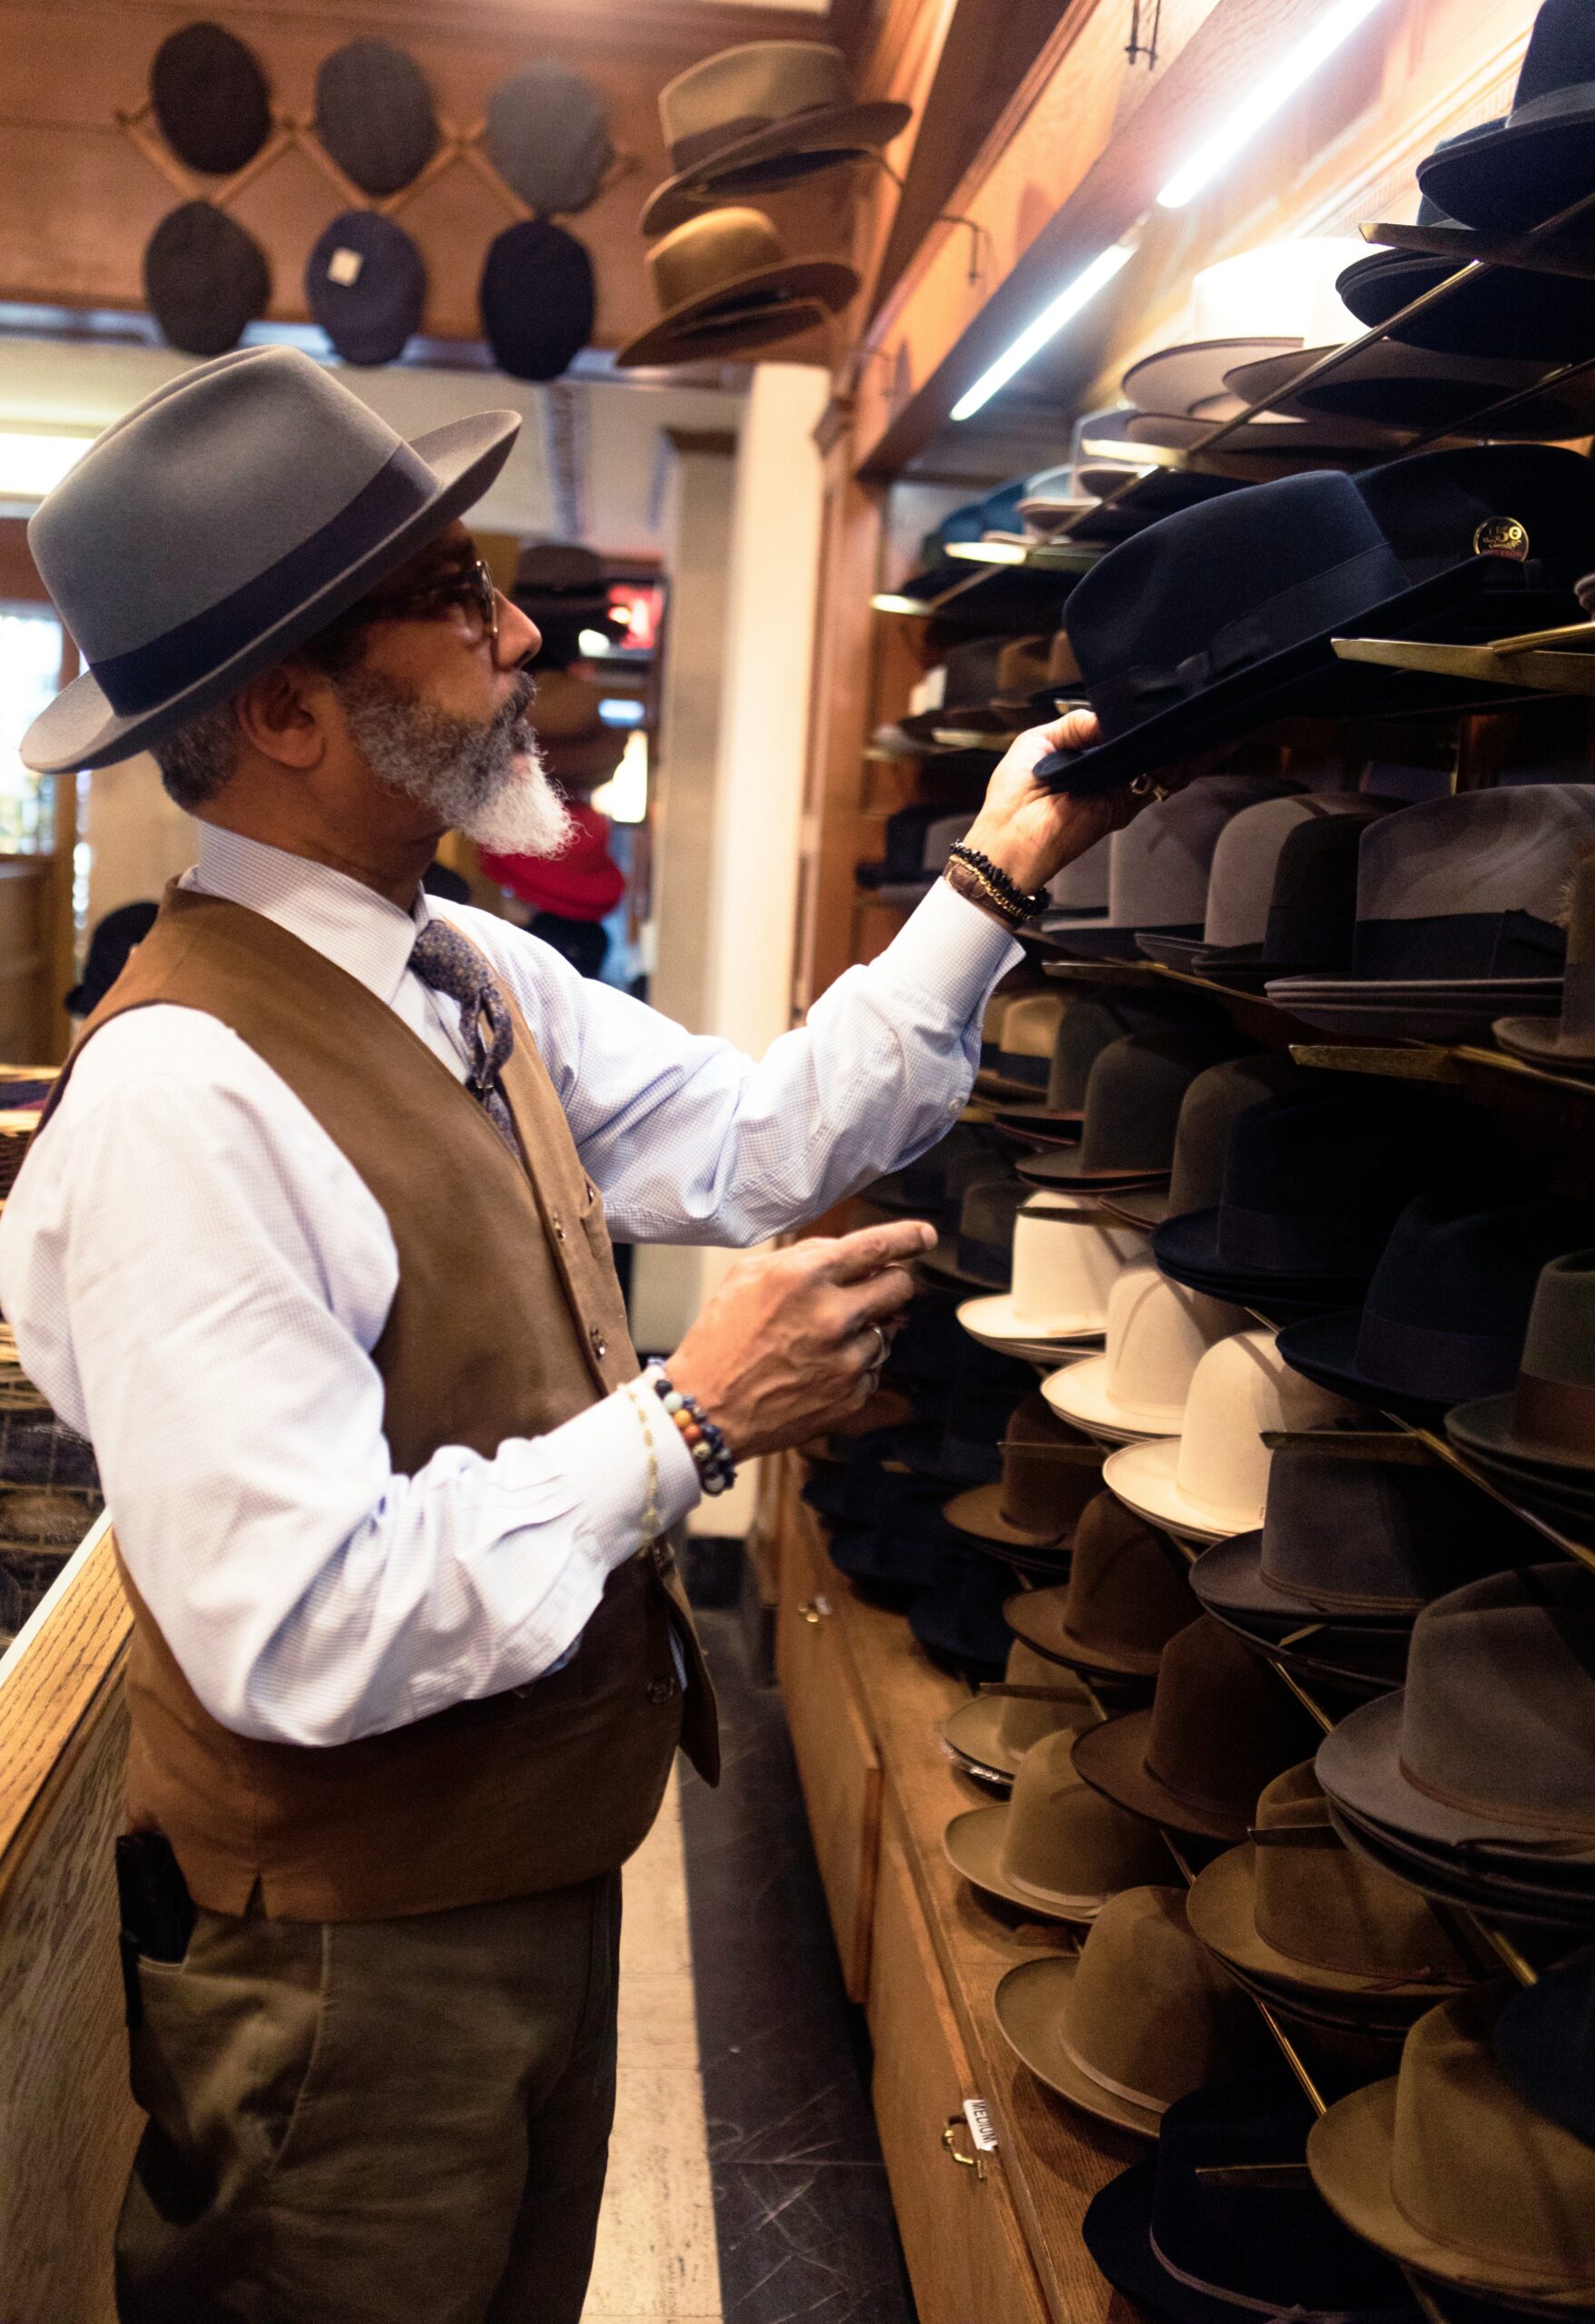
1462	944
148	675
1579	96
1285	1242
1420	1360
705	144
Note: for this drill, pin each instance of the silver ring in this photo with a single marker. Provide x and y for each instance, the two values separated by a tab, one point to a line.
885	1347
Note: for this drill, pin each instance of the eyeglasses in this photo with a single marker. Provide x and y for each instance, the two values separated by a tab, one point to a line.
470	586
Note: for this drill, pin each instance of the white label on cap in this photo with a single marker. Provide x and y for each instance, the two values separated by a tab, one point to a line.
344	267
980	2123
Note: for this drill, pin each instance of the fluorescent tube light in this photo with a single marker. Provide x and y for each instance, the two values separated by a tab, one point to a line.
1047	325
31	466
1334	28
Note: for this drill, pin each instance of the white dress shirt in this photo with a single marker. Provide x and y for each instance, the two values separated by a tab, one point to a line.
197	1278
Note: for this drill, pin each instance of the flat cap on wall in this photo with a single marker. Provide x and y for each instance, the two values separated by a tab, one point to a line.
547	139
205	279
210	99
538	299
374	114
366	285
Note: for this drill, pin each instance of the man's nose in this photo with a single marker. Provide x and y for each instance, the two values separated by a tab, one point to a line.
518	635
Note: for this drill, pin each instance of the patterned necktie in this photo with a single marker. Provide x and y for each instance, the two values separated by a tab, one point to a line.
448	962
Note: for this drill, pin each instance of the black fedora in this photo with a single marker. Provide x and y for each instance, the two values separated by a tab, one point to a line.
1133	1098
1541	158
1208	1113
906	1551
1158	868
1447	1305
959	1621
282	499
1312	1185
1313	910
205	279
1397	386
1548	316
210	99
1364	1534
914	854
1247	868
374	114
536	299
1544	2043
1221	617
366	285
547	139
1545	1422
1224	2223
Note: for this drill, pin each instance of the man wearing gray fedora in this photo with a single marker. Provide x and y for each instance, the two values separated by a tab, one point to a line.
312	1245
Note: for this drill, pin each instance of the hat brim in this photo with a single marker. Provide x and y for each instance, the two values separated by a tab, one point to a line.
1395	386
1065	1169
1045	1125
1112	1760
1323	1348
1544	316
1540	1039
827	137
751	310
1230	1582
1094	942
1221	1906
1080	1394
1143	1207
994	1324
1143	1476
1509	1888
1176	379
1028	2002
1186	1247
1486	1423
1515	176
80	729
979	1513
1360	1762
973	1846
973	1731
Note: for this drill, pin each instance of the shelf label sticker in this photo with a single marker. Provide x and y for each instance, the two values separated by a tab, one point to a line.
980	2123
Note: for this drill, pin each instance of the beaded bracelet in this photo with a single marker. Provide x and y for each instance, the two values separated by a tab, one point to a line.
704	1440
1022	905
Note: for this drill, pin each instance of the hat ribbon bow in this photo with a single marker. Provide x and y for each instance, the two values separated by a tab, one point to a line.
1234	648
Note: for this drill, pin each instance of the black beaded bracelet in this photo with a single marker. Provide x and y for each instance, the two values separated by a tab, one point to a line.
1022	905
716	1469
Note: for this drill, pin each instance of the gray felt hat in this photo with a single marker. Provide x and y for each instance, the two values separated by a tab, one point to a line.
221	523
546	138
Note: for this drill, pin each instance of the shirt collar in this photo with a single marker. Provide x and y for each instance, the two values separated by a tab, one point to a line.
356	929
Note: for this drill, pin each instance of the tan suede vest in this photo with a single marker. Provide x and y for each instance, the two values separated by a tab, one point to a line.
507	1320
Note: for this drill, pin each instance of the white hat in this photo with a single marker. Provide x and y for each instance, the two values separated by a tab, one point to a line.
1211	1481
1267	302
1067	1252
1158	1333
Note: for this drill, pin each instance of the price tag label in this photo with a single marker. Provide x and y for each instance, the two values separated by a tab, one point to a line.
980	2123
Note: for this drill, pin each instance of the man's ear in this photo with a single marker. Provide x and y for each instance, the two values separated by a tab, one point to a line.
283	715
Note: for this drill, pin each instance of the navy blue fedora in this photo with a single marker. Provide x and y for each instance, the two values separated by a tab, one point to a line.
903	1552
1224	2222
960	1621
221	523
1222	617
1540	158
366	285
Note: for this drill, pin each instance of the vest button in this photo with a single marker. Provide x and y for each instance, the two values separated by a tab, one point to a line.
599	1343
559	1229
661	1690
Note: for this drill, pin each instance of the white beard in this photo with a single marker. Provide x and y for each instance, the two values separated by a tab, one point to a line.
487	781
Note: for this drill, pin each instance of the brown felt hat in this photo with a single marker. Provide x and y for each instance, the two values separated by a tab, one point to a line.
1219	1728
1140	2016
1049	1473
1295	1907
996	1727
1453	2174
1057	1848
725	285
1126	1597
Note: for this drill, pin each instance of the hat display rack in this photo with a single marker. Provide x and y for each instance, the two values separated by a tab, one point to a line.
228	283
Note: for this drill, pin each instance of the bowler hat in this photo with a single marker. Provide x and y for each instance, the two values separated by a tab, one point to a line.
996	1728
1049	1473
1566	1043
547	139
536	299
1220	1727
1242	882
1158	1333
725	285
366	285
112	945
1224	2221
374	114
1544	2043
205	279
1545	1422
1133	1098
1158	868
1547	316
1294	1907
1207	1115
1066	1253
1541	158
762	115
1126	1596
210	99
958	1619
1447	1306
1487	1755
221	523
1449	2171
1313	1183
1222	616
1142	2015
1363	1532
1056	1849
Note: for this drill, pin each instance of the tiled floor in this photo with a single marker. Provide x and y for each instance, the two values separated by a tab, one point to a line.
746	2181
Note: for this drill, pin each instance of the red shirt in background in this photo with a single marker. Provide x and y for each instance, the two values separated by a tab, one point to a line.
584	884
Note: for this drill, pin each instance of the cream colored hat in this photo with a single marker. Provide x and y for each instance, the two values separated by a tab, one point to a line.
1067	1252
1057	1848
1140	2016
1028	1029
1451	2172
1267	302
1295	1907
1158	1333
996	1727
1212	1480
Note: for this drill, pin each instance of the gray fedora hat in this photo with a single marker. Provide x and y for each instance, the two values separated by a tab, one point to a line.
547	139
221	523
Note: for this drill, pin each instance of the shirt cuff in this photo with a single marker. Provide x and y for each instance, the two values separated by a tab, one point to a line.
604	1448
950	948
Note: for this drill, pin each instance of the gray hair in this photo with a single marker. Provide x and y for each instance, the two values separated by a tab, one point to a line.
200	757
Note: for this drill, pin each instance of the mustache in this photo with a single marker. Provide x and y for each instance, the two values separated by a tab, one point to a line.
511	719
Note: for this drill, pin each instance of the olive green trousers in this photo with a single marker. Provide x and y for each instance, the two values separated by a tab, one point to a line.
374	2122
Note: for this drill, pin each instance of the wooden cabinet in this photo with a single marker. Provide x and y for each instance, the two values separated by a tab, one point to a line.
966	2254
838	1763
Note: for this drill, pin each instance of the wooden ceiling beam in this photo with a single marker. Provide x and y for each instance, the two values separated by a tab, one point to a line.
1069	167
